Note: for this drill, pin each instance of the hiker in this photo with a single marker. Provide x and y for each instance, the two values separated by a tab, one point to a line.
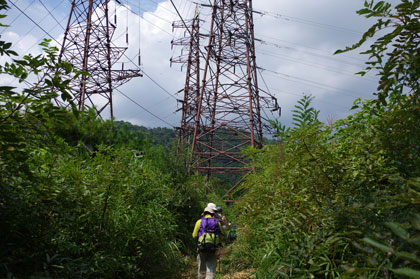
219	215
208	233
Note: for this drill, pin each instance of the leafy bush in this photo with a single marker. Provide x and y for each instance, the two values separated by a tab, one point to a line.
342	201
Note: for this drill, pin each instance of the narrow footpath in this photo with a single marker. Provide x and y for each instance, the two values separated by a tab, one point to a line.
191	272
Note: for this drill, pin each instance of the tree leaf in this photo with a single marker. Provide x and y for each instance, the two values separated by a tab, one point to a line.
405	271
381	246
398	230
407	256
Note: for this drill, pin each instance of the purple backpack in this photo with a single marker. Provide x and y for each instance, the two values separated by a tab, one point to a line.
208	235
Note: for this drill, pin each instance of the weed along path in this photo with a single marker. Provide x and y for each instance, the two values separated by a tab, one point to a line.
223	271
191	273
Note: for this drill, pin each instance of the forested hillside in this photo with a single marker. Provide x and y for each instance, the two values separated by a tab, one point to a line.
157	136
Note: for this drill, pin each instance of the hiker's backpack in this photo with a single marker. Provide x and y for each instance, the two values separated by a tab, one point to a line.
208	235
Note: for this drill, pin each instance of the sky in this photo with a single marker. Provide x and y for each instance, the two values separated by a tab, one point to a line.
295	43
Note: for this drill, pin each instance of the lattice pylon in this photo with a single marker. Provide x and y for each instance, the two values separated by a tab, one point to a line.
229	107
87	44
192	80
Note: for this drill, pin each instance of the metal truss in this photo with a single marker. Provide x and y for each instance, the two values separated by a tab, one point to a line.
87	45
229	103
191	90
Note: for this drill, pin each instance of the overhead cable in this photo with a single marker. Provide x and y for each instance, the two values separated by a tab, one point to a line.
16	18
35	23
305	21
50	13
145	109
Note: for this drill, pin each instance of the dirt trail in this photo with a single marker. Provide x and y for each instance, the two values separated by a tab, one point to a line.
191	272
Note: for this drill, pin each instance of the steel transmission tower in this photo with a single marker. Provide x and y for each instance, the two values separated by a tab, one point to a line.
192	82
87	44
227	103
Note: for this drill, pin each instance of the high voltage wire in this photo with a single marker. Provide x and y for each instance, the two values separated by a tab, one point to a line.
316	65
299	20
280	91
307	52
145	109
153	23
148	76
17	16
39	22
301	95
279	46
163	7
155	82
49	12
308	22
35	23
153	14
160	86
144	10
268	93
309	47
312	83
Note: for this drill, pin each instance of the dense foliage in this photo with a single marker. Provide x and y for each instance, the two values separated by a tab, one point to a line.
80	197
343	200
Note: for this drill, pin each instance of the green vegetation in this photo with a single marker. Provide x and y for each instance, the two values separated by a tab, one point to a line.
80	197
344	201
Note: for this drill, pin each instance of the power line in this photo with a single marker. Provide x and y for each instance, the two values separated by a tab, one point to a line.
263	42
316	99
144	10
312	83
298	20
308	22
145	109
153	23
160	86
162	7
316	65
16	18
49	12
37	43
35	23
268	89
148	76
309	47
